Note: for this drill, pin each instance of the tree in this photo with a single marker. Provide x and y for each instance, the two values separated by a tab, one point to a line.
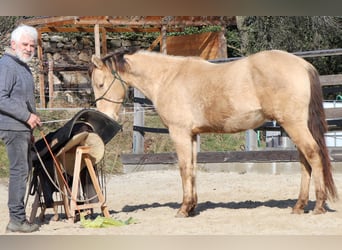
7	24
293	34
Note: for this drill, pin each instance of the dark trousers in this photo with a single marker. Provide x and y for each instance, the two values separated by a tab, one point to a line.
18	145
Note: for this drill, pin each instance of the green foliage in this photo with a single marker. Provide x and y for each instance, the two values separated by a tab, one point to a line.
222	142
233	42
189	30
8	23
293	34
103	222
134	36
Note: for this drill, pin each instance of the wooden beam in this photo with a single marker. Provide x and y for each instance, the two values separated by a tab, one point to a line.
49	20
58	67
328	80
47	24
224	157
134	29
318	53
332	113
155	43
56	29
90	29
157	20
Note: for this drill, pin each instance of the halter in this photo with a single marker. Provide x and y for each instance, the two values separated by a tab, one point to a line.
124	85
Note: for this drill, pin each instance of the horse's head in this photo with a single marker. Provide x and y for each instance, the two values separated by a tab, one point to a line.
109	90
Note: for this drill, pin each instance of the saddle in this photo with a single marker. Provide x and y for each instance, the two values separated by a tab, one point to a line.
88	126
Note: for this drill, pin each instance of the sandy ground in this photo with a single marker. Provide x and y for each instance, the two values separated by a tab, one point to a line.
229	204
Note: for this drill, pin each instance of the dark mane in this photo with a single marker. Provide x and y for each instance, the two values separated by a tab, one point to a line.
116	60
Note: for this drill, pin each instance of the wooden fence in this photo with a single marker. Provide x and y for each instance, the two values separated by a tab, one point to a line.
333	115
328	82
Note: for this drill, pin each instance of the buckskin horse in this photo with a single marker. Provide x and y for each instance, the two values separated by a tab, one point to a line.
193	96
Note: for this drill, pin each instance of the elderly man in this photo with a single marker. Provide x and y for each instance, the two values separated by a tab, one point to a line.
17	121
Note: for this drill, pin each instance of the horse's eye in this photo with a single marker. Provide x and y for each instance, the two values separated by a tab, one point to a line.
101	85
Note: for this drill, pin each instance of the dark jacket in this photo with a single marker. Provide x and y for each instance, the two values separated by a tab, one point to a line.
16	90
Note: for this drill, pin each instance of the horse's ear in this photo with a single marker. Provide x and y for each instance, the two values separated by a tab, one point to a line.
97	61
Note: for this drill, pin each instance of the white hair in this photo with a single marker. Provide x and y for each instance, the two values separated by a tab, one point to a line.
24	30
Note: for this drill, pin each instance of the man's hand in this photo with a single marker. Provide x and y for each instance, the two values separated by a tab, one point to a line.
34	121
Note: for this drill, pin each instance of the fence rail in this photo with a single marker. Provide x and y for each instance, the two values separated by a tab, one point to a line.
303	54
334	120
328	82
261	156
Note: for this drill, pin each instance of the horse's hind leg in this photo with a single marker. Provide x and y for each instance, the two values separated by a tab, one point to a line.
309	150
303	197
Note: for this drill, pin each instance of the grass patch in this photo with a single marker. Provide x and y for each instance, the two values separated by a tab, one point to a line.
4	171
222	142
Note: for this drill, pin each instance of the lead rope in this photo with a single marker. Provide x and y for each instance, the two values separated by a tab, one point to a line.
54	159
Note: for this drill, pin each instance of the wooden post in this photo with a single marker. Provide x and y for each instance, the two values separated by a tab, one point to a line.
139	120
50	80
97	40
103	41
41	71
163	42
223	53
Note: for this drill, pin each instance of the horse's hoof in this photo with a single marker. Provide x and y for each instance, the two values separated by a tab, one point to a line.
319	211
297	211
55	217
181	214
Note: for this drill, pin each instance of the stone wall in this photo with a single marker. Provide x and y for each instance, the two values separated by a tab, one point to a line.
73	87
75	49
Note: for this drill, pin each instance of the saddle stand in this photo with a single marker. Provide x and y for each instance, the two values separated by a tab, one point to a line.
77	152
70	202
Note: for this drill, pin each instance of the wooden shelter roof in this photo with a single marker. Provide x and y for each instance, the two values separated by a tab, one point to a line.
124	23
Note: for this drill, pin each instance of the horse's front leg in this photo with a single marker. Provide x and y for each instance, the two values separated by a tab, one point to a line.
187	166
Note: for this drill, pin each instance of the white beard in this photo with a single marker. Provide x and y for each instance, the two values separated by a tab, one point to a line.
22	58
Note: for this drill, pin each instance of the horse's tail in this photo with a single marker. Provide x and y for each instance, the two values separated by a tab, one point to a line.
318	127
